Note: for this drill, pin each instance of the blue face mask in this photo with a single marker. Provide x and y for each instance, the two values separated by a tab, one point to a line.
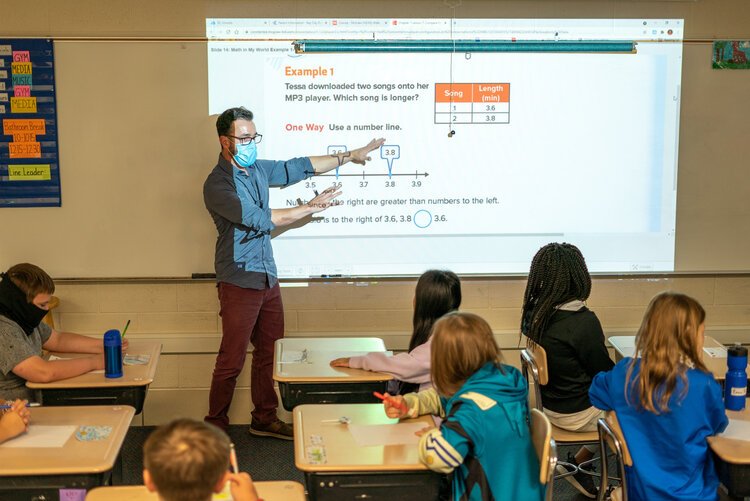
246	154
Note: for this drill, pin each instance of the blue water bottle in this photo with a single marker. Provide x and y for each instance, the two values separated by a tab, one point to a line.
735	385
112	354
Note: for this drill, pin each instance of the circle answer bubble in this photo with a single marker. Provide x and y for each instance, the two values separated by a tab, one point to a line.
422	218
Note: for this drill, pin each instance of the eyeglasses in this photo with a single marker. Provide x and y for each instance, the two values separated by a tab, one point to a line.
248	139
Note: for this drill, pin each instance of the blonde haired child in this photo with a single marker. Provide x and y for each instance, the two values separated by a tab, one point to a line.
188	460
667	404
484	438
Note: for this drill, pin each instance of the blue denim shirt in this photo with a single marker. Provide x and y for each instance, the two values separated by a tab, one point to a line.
238	203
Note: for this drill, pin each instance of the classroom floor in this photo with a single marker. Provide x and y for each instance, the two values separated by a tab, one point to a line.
265	459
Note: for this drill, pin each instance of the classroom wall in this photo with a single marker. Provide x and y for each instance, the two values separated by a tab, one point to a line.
136	141
184	317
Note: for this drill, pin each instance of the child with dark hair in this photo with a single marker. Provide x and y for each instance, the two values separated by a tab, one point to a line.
484	439
25	293
555	317
667	404
188	460
438	292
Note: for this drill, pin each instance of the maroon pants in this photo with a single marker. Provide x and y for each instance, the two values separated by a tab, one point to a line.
247	315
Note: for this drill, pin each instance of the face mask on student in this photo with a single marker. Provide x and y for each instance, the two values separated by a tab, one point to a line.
246	154
13	304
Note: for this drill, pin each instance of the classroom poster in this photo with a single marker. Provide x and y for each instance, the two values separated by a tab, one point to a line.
29	155
731	54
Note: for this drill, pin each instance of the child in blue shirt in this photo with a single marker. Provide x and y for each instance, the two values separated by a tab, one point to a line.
667	404
484	439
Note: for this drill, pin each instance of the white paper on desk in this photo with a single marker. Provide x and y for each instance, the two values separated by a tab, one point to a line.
325	356
318	356
367	435
52	358
738	430
293	356
42	436
715	351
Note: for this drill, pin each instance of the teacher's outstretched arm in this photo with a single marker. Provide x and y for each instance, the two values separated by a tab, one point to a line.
360	156
323	200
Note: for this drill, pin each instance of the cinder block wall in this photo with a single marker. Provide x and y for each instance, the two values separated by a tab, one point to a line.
184	317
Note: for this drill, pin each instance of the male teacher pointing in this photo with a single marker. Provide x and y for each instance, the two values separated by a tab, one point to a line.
236	196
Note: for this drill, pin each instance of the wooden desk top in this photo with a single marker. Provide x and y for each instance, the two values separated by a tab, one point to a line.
133	375
625	347
284	490
341	450
732	450
306	360
75	457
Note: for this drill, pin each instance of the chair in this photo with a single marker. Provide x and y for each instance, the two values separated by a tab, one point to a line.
611	436
534	368
546	450
48	319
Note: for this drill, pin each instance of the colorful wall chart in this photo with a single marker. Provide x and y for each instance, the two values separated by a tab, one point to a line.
29	156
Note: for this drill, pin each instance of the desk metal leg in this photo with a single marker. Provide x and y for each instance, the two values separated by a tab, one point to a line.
117	472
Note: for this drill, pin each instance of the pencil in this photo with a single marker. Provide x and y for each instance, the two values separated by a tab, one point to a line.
233	459
399	403
28	404
125	329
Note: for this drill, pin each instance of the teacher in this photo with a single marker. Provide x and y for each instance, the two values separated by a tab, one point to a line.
236	196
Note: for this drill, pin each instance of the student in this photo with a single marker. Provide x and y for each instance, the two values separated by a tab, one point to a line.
25	293
14	421
485	433
667	404
555	317
189	460
437	293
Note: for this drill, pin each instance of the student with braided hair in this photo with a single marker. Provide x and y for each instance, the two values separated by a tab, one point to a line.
555	317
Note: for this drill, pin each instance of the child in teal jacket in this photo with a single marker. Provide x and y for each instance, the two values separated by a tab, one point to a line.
484	439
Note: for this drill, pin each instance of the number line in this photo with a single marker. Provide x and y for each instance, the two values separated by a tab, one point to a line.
415	174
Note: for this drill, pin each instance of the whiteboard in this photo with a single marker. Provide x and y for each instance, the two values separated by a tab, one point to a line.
136	144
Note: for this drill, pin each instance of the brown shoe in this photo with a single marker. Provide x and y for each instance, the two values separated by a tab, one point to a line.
275	429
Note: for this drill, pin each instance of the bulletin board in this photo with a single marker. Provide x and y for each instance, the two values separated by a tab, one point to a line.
29	157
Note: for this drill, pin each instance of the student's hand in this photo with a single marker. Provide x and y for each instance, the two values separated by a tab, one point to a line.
15	421
395	406
125	345
325	199
360	155
340	362
242	488
424	430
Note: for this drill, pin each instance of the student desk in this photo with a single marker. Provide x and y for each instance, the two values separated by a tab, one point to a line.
336	468
714	353
301	367
94	389
42	472
284	490
733	458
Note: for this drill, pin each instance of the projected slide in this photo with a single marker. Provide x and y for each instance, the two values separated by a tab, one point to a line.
488	155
